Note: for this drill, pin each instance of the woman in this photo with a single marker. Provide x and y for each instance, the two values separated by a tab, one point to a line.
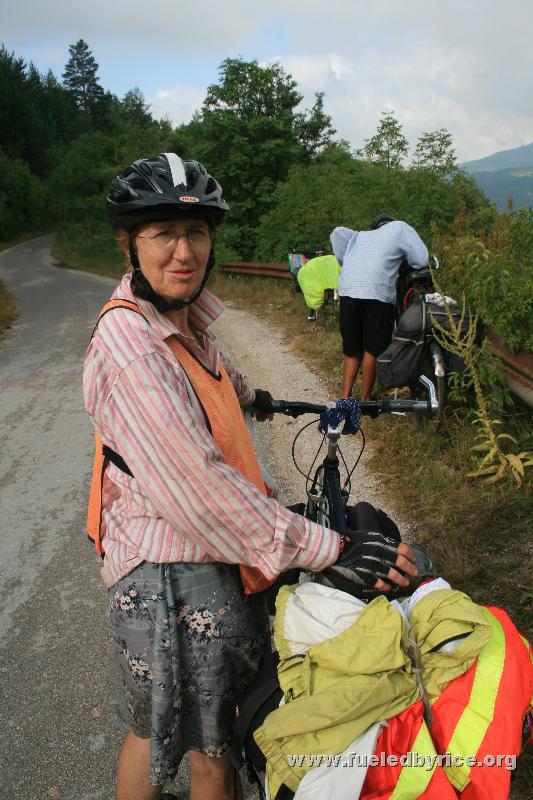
183	500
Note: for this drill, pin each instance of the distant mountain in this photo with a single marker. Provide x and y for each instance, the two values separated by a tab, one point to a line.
507	183
504	175
504	159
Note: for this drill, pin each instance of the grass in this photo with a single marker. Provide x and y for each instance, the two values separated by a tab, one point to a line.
88	248
8	309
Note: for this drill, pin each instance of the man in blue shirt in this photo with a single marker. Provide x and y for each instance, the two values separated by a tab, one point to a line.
370	262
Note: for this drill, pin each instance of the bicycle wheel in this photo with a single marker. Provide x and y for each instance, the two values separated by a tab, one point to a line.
332	491
328	510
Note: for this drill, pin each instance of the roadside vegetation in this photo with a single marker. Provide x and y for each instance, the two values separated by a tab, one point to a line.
8	310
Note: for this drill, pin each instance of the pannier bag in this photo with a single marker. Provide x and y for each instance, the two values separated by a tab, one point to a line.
436	313
399	364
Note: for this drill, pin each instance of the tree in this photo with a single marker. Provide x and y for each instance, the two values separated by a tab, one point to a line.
80	78
388	146
38	114
248	90
134	108
314	127
435	151
249	133
22	198
333	189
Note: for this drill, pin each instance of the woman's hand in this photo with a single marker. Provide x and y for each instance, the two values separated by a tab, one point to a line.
375	561
261	408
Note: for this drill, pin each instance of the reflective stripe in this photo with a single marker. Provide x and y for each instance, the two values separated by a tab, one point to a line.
479	713
527	646
413	780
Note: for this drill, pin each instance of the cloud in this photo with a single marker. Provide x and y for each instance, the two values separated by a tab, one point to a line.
468	92
178	103
177	25
462	64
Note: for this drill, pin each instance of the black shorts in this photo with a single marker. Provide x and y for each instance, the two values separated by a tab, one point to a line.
366	326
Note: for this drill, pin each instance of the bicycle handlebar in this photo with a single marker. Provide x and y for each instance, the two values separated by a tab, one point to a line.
384	406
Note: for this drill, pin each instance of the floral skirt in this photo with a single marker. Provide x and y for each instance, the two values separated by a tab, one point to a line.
188	643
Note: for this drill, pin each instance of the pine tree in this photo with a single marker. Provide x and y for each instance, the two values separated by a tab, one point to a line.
80	77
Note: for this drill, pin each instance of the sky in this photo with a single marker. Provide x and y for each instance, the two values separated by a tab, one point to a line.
463	65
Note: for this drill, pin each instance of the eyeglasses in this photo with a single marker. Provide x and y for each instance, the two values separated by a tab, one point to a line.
197	238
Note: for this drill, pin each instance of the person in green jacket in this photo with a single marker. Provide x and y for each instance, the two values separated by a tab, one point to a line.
314	277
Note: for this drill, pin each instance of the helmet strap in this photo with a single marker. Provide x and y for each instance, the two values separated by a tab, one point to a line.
141	287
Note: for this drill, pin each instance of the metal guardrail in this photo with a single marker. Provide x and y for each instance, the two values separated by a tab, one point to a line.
258	268
517	368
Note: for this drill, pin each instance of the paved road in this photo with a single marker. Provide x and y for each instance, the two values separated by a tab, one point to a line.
59	737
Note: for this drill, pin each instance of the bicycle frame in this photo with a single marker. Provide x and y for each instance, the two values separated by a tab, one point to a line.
326	500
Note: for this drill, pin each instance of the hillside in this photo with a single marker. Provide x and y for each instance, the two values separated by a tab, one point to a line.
504	175
502	160
507	183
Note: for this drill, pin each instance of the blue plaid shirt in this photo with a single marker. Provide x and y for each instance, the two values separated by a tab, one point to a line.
371	259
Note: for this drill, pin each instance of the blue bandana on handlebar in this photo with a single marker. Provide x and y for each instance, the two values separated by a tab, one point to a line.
347	409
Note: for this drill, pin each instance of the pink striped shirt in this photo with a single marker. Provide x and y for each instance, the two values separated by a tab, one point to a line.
184	503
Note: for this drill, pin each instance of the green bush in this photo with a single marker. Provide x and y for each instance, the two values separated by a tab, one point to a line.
495	273
22	198
89	246
336	189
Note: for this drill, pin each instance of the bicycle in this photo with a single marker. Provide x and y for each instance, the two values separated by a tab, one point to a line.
326	504
413	286
327	500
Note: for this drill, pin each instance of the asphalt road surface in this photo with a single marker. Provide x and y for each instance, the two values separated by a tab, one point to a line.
59	737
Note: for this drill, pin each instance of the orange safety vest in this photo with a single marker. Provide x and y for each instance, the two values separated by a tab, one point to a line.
400	776
479	715
219	401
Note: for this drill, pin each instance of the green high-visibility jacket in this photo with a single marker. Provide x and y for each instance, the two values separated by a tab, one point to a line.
317	275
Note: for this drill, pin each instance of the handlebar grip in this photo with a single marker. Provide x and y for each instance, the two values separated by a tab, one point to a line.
295	409
390	405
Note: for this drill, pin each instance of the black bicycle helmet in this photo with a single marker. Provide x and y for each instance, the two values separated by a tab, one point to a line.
161	188
381	219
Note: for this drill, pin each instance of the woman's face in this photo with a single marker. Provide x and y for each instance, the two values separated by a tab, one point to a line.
173	255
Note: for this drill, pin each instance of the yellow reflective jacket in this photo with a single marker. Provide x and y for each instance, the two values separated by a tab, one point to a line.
361	673
317	275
